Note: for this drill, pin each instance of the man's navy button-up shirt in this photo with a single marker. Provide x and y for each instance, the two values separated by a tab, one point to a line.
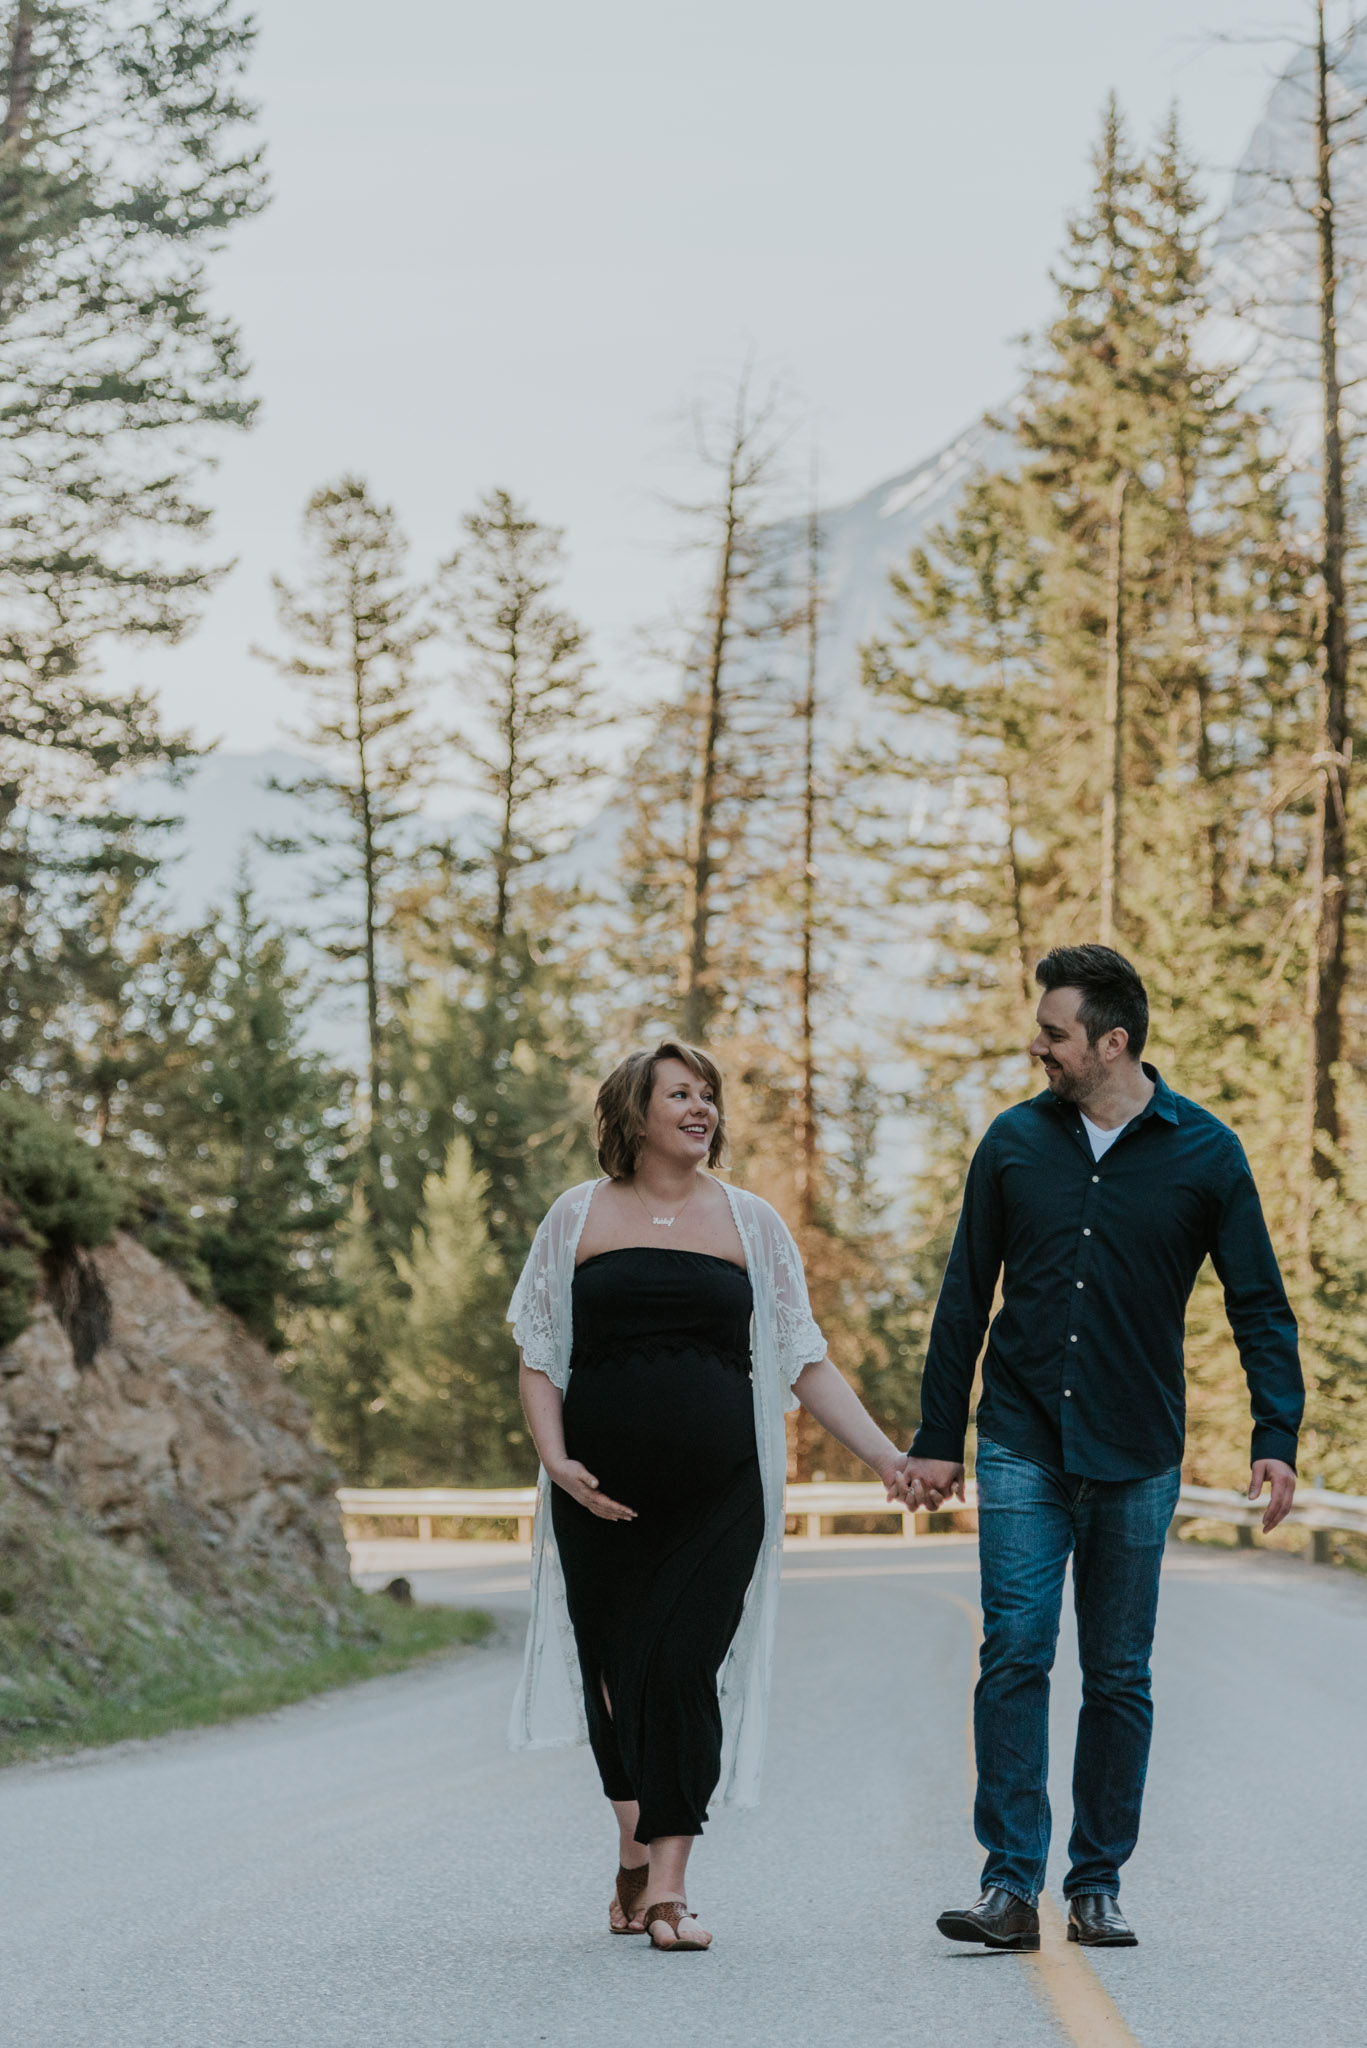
1084	1368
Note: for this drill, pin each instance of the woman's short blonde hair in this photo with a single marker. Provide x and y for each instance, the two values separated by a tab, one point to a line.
624	1101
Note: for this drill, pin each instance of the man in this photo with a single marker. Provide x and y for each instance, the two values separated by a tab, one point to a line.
1097	1203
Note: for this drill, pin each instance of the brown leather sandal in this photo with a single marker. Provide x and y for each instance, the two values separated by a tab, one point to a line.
630	1885
672	1911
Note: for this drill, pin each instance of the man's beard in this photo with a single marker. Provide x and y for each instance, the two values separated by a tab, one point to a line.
1075	1087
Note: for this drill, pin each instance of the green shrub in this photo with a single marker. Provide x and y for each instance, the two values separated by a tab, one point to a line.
55	1197
18	1273
57	1183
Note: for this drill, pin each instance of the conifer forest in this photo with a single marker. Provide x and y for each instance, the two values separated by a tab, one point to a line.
1118	702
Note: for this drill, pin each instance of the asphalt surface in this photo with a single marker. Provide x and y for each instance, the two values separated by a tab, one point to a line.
376	1871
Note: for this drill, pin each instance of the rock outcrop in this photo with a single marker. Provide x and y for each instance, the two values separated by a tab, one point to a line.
168	1427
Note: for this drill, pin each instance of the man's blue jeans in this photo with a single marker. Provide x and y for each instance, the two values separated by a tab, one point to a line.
1029	1518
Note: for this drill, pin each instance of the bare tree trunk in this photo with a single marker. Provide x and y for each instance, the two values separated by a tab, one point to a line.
370	884
1019	947
1333	750
698	996
504	852
20	73
1113	796
19	96
806	1102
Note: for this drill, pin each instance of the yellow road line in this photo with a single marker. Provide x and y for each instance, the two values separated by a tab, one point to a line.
1066	1978
1062	1974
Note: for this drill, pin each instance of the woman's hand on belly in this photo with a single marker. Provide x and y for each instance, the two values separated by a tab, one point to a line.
579	1483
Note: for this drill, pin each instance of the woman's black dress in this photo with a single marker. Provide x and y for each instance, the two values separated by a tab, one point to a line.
660	1409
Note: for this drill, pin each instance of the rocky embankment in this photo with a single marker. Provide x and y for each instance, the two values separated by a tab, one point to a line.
165	1425
170	1549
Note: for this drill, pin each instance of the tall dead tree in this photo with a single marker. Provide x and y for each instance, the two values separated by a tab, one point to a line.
744	464
1304	196
1113	795
807	894
1333	740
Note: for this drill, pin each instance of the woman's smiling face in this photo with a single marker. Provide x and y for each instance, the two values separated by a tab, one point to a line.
682	1116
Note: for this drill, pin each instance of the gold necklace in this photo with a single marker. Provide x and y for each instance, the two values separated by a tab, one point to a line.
665	1222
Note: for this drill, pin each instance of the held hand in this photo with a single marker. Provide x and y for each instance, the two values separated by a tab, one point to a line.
932	1481
580	1484
894	1478
1282	1479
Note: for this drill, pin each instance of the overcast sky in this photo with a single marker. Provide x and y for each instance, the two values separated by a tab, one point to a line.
509	242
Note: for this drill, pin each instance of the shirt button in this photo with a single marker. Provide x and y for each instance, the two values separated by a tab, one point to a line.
1067	1393
1081	1283
1095	1178
1086	1233
1072	1340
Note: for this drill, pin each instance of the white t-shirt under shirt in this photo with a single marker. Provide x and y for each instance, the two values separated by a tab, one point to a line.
1101	1141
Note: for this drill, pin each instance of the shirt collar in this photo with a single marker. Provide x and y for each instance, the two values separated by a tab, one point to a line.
1161	1103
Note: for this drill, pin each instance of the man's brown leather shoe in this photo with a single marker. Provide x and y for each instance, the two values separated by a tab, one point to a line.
999	1920
1096	1921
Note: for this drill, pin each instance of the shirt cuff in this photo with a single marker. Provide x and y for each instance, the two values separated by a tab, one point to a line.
1271	1442
938	1443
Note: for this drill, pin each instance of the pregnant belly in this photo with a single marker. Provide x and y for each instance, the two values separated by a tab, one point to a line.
659	1431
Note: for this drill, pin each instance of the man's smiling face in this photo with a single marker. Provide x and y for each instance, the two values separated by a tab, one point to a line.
1073	1068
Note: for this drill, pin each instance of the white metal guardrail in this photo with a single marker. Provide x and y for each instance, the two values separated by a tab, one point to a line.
428	1504
816	1500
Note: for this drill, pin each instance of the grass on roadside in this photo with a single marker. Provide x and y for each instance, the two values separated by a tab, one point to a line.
395	1638
100	1643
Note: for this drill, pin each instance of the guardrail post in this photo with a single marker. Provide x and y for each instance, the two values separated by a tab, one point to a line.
424	1528
524	1528
813	1528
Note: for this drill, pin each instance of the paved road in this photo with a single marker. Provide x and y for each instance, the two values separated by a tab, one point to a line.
375	1871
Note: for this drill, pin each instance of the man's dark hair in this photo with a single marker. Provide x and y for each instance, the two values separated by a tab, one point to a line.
1113	997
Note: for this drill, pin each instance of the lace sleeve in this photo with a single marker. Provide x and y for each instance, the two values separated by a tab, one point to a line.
532	1310
800	1342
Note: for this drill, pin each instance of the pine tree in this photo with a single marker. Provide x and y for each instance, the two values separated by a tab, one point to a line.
269	1118
125	159
343	1354
453	1400
1130	591
358	626
1298	256
510	1072
119	1046
523	669
694	849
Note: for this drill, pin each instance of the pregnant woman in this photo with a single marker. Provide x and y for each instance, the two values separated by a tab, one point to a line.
664	1328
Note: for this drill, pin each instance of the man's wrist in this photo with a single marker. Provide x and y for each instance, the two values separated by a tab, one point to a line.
938	1445
1274	1443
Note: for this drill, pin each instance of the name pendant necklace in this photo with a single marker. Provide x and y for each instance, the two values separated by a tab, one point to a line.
665	1222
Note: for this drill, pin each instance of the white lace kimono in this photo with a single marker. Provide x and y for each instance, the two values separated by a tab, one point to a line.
548	1711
